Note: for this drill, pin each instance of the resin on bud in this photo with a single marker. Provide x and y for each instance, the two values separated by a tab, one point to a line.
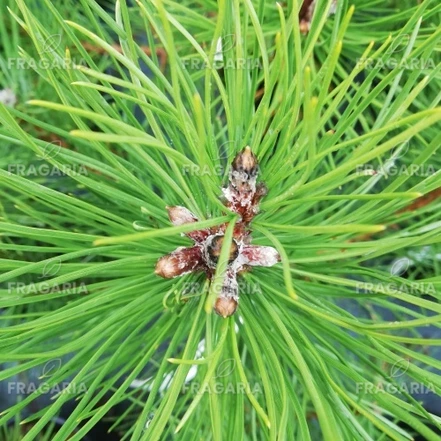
255	255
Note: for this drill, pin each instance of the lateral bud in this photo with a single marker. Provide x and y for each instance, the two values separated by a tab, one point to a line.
180	215
179	262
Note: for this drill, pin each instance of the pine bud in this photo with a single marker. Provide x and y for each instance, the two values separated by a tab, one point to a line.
180	215
227	301
225	306
244	171
255	255
181	261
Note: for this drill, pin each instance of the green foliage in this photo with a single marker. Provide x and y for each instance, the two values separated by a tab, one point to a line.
314	349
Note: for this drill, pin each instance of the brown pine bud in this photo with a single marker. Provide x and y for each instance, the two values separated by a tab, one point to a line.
227	301
307	11
225	306
181	216
244	171
179	262
245	161
214	248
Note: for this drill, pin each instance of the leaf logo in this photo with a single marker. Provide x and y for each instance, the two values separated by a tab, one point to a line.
50	150
401	151
228	41
399	368
399	43
51	268
51	368
50	43
224	44
226	151
400	266
225	368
